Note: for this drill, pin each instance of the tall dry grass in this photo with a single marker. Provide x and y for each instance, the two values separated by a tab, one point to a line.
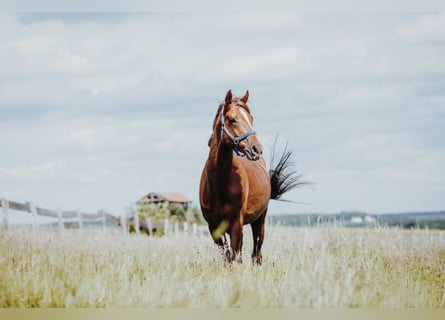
302	267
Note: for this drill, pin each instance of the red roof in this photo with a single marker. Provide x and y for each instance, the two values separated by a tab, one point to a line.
167	196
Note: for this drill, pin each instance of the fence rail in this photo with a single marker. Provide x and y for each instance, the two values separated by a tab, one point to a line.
137	225
28	207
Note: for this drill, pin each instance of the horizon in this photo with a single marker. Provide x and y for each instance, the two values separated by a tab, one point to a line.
17	217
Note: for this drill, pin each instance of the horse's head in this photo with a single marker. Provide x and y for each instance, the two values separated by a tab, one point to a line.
237	127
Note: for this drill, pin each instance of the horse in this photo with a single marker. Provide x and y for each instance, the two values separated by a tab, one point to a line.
235	186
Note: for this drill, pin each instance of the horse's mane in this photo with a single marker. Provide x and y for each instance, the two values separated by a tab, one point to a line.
217	115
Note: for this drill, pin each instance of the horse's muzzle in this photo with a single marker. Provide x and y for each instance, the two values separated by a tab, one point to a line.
254	152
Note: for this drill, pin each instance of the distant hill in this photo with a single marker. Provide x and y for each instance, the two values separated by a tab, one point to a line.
424	216
431	220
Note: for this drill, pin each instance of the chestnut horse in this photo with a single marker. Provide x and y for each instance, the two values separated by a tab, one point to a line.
235	186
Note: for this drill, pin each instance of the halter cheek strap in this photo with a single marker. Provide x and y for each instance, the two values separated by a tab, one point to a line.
235	140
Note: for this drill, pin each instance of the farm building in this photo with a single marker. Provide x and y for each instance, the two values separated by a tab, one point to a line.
167	198
168	205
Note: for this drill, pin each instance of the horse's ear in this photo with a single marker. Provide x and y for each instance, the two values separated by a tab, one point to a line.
228	97
246	97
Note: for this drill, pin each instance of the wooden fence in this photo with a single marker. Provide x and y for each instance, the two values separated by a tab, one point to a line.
146	225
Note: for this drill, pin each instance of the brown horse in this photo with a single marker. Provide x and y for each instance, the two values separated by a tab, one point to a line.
235	186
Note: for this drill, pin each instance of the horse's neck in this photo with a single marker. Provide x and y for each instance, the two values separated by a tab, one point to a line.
220	165
224	163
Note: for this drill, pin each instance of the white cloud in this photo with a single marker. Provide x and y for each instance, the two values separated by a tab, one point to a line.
427	28
226	6
103	108
97	158
270	64
21	172
261	22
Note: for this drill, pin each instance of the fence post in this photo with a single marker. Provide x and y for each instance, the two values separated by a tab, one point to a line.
186	227
165	226
104	218
176	228
60	217
5	206
33	210
124	222
149	225
79	217
136	224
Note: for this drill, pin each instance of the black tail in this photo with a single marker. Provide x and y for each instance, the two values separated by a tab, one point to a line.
283	175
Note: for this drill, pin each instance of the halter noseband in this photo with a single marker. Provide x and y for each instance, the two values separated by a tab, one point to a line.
235	140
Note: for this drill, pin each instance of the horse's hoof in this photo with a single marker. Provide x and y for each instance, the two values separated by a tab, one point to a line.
257	260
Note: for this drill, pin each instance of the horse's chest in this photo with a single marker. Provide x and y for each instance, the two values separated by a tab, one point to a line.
245	191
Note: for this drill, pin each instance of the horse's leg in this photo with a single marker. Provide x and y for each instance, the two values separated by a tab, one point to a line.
241	247
226	250
236	239
258	237
221	242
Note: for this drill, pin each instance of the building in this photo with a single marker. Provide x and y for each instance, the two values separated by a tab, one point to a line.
167	198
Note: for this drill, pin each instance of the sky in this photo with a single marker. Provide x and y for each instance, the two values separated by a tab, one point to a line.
98	109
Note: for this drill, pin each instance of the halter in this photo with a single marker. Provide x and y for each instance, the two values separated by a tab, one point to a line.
235	140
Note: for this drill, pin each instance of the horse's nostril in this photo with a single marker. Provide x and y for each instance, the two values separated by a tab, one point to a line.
256	149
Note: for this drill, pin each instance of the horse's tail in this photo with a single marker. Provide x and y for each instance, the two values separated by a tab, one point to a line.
283	175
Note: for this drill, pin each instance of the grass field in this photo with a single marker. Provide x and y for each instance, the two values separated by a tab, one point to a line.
302	267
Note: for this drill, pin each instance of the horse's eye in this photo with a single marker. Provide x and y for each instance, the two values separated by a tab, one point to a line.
232	120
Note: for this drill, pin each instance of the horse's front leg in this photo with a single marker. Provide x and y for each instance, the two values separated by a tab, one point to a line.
219	239
236	239
258	237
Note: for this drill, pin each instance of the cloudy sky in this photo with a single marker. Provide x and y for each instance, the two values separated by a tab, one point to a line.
98	109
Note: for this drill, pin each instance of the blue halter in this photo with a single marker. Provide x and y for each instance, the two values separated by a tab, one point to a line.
235	140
